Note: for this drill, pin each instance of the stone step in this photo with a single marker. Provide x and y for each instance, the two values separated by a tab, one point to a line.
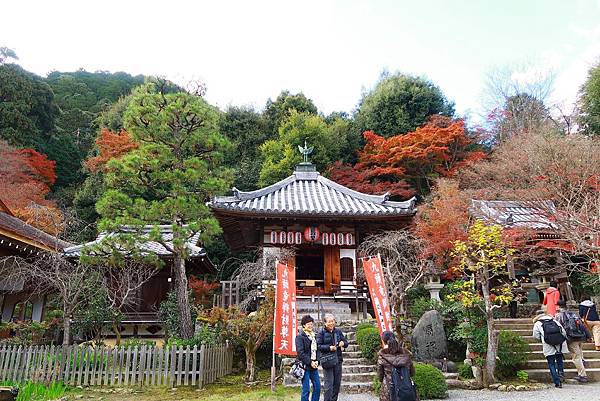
346	387
586	355
356	369
543	375
517	320
537	346
356	361
347	377
522	332
543	364
352	354
515	326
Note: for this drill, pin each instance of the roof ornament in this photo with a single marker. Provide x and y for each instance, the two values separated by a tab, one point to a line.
305	151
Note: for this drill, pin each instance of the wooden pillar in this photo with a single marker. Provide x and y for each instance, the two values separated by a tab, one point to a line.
332	267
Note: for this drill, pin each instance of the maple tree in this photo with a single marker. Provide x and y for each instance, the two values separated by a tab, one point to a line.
402	164
111	145
26	177
202	290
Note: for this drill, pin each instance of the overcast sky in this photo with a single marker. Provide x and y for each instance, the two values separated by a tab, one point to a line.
248	51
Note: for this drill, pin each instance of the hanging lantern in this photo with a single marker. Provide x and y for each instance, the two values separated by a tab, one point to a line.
332	239
290	237
349	239
325	239
282	237
340	239
298	235
312	234
273	237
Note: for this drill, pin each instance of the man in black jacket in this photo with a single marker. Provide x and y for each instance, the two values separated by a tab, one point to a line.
331	340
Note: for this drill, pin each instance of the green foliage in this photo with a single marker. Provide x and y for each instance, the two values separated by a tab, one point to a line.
281	155
369	342
365	325
589	102
512	353
464	371
168	313
205	335
399	104
376	385
30	391
522	376
94	316
280	109
430	382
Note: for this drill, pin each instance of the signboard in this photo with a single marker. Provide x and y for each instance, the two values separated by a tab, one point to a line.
378	292
286	322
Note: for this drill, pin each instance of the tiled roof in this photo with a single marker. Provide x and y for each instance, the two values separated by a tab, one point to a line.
515	214
149	246
26	233
309	193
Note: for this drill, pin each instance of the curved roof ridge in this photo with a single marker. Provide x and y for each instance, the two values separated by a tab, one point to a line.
243	195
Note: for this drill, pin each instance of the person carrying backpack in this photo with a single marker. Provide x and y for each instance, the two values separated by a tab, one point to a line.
577	333
554	339
395	369
589	314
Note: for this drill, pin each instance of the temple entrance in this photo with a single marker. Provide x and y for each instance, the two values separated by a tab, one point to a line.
310	271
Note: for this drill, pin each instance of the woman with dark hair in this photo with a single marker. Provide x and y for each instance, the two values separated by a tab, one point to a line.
309	354
393	355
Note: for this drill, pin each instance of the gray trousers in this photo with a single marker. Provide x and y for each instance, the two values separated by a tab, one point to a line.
333	381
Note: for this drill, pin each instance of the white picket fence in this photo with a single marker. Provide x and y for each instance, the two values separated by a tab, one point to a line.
116	366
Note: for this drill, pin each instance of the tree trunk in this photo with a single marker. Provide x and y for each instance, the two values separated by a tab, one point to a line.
250	375
183	301
492	347
117	330
66	329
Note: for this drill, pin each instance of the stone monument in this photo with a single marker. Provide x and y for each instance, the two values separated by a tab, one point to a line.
429	339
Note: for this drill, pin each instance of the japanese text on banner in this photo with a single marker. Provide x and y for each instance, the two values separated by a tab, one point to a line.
286	322
378	292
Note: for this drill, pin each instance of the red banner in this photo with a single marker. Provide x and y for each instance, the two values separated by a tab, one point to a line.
379	295
286	322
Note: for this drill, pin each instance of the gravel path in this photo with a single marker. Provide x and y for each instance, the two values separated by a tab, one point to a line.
570	392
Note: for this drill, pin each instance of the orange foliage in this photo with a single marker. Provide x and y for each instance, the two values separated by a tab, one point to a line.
25	179
437	149
110	146
202	290
443	220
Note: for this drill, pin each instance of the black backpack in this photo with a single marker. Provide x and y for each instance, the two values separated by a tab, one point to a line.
574	327
552	333
402	388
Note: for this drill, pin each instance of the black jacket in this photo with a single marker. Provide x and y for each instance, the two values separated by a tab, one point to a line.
303	349
325	339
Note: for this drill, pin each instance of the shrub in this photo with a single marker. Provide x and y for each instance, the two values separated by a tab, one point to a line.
430	382
522	376
512	354
464	371
29	391
168	313
376	385
204	335
364	325
369	342
137	342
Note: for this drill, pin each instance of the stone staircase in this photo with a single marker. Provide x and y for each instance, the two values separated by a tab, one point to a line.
537	366
340	310
357	372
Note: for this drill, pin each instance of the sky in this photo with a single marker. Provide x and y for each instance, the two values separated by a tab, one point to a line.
332	51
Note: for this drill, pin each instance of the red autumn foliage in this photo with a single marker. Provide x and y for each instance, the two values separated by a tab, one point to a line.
202	290
437	149
110	146
443	220
25	180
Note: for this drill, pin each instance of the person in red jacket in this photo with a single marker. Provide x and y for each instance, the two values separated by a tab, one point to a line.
551	298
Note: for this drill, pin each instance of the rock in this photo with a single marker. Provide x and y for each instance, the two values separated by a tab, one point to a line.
522	388
78	396
428	338
511	388
494	386
451	367
462	384
502	387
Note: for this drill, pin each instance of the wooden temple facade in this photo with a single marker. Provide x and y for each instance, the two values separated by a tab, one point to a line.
322	220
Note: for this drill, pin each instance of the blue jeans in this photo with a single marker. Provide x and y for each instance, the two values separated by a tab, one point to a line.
555	363
311	376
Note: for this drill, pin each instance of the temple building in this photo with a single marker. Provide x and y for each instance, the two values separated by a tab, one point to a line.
18	238
324	221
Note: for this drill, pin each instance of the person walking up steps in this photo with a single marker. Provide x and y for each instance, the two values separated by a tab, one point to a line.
309	355
331	342
554	340
577	334
551	298
589	314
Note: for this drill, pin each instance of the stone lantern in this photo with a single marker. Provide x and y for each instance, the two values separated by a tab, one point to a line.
434	286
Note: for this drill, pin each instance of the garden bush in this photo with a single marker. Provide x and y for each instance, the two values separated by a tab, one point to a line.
512	354
369	342
137	342
464	371
364	325
430	382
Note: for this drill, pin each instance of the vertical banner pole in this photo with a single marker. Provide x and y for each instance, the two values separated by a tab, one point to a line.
273	368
